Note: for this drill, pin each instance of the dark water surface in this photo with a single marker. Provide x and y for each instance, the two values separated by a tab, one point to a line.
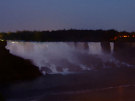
96	71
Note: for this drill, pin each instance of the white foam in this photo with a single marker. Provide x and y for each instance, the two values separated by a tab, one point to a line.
62	57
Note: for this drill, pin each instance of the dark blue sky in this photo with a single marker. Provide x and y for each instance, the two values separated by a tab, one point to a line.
59	14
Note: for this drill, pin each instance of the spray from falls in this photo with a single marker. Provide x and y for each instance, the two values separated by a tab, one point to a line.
62	57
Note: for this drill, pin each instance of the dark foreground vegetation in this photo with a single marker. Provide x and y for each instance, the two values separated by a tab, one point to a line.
69	35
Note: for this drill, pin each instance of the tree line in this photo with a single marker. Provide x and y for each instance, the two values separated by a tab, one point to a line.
69	35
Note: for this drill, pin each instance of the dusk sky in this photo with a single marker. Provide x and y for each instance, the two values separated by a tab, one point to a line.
65	14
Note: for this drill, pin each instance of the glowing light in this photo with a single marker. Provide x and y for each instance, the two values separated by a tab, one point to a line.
13	42
133	36
1	40
115	38
125	36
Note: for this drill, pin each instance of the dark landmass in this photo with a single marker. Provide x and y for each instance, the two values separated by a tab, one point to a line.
13	68
69	35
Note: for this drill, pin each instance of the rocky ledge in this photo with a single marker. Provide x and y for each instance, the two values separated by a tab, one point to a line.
13	68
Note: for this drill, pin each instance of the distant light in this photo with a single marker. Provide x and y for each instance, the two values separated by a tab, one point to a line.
115	38
13	42
1	40
125	36
133	36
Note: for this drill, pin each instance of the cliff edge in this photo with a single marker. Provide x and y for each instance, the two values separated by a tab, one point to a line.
13	68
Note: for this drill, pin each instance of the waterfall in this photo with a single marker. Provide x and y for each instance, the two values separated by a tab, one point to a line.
63	57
